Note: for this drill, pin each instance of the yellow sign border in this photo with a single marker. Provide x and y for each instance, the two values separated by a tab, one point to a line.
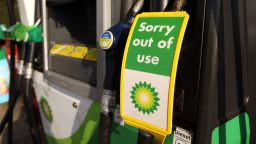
137	123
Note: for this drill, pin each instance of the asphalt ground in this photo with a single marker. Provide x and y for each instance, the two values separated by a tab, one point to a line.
20	127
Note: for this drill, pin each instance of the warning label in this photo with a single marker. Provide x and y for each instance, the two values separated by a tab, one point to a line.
182	136
79	52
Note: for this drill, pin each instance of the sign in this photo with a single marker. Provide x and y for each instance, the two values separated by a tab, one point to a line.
182	136
149	70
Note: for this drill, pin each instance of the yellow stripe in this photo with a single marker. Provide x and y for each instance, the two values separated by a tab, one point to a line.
78	52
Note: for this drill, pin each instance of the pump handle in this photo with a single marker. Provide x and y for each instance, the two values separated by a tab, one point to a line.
134	10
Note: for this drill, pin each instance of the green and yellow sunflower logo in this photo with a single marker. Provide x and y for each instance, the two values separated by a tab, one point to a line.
144	97
47	112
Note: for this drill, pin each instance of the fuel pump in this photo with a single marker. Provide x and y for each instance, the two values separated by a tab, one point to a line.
113	41
214	98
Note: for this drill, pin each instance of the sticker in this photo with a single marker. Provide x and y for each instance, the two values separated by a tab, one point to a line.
149	70
182	136
106	40
78	52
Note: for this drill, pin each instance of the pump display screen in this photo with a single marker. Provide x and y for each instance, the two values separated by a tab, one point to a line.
71	28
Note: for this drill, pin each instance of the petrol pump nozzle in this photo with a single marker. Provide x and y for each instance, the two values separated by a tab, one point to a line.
23	34
113	41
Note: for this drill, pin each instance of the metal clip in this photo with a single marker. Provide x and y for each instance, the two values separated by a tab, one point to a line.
20	67
108	101
28	71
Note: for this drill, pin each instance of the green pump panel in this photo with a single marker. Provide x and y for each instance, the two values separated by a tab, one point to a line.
234	131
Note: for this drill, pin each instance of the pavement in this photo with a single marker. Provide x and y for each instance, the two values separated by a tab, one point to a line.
20	127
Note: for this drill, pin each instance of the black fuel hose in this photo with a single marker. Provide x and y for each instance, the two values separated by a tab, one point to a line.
17	88
28	97
28	92
112	76
178	5
159	5
109	93
12	19
11	13
111	86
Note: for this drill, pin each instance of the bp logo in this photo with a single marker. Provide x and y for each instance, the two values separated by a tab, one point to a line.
47	112
144	97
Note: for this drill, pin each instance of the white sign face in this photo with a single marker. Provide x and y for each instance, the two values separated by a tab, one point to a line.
148	97
182	136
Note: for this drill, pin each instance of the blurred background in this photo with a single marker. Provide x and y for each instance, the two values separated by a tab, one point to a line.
3	12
